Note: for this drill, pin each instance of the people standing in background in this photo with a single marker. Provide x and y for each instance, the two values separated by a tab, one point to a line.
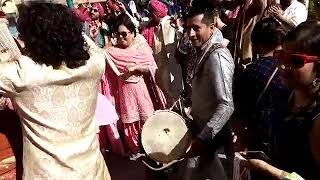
290	12
227	31
92	16
298	131
109	18
185	6
250	13
10	48
83	14
260	96
125	10
10	9
173	8
98	28
132	8
162	38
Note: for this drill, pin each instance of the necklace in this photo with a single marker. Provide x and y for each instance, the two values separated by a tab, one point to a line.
304	107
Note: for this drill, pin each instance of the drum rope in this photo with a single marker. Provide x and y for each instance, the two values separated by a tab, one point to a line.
240	172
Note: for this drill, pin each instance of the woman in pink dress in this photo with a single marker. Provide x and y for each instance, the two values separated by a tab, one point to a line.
136	94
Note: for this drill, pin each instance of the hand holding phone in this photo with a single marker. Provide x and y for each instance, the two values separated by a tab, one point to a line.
256	155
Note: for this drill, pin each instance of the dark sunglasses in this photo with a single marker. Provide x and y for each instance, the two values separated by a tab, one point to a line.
292	61
123	34
94	10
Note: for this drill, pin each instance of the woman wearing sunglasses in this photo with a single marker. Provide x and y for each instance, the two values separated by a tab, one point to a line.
135	91
296	146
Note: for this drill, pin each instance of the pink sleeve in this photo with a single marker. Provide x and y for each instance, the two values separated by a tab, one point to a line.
105	113
9	104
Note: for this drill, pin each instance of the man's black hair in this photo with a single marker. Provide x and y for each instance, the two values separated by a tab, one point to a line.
207	14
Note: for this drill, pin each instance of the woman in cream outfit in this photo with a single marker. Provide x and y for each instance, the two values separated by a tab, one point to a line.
54	94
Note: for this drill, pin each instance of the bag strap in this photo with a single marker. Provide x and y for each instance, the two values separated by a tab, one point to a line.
267	85
212	49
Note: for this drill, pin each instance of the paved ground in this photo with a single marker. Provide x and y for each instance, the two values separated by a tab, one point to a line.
124	169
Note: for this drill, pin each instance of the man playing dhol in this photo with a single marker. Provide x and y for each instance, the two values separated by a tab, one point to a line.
212	103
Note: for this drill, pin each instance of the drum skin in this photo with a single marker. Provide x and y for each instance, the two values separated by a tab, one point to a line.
165	136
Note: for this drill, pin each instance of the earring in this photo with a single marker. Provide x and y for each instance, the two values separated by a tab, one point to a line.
211	33
85	46
315	82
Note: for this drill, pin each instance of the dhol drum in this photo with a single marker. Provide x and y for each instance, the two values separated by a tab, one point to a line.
165	137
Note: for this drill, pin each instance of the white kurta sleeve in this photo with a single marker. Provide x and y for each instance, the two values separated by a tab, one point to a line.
9	77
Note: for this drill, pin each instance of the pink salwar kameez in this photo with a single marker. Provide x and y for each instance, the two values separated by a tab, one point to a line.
135	108
138	96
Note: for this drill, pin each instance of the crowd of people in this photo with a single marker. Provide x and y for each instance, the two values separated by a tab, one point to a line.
83	78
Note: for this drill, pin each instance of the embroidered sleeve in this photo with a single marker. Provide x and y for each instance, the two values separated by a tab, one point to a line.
9	76
221	69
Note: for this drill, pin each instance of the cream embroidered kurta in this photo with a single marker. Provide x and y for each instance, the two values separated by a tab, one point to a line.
56	108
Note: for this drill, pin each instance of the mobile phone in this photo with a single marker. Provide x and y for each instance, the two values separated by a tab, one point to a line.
257	155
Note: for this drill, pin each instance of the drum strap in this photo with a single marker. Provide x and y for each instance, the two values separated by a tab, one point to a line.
206	55
178	104
164	166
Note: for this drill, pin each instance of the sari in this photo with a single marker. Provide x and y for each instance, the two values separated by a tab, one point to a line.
136	97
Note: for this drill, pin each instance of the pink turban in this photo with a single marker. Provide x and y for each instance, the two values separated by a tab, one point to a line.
82	14
99	7
158	8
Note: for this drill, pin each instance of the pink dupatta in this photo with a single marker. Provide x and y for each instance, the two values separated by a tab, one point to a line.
148	33
105	113
138	53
